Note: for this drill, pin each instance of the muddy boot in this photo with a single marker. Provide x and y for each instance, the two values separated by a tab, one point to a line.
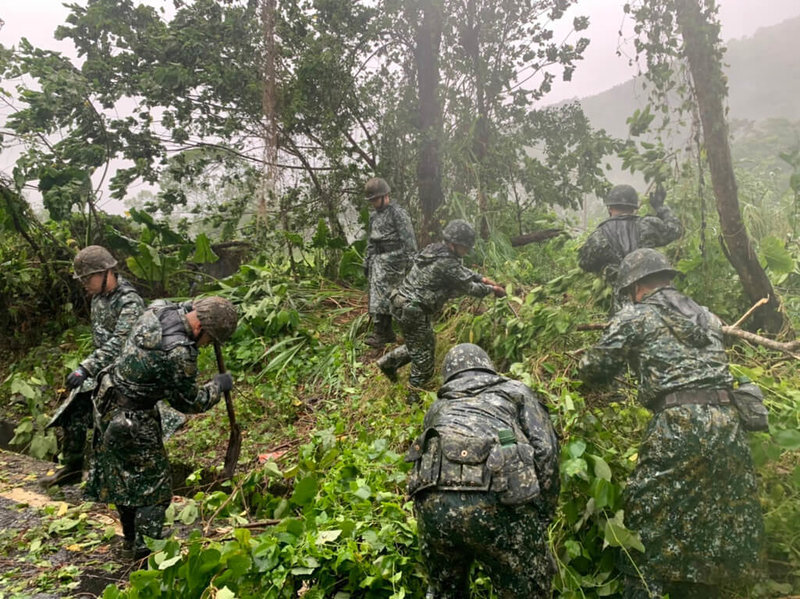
382	333
413	398
68	474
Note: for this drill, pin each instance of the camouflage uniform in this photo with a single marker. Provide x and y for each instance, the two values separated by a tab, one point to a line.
618	236
130	466
113	315
390	249
436	276
692	495
478	500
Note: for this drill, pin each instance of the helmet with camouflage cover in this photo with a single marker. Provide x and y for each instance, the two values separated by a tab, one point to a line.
91	260
217	316
642	263
376	188
622	195
459	232
465	356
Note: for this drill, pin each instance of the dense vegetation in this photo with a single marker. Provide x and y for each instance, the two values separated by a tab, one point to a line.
318	507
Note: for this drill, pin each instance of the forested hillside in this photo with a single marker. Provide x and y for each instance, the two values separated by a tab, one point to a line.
253	126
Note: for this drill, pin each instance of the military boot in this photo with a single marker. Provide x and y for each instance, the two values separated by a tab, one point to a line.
387	369
382	333
69	474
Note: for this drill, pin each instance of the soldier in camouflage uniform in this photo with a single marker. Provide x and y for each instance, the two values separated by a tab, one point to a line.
115	307
625	231
485	481
390	249
159	360
692	496
436	276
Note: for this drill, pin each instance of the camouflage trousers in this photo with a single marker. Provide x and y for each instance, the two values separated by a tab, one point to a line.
142	521
694	500
75	423
420	343
510	542
634	588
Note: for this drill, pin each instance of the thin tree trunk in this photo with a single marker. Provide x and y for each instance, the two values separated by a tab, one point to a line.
429	170
268	107
701	41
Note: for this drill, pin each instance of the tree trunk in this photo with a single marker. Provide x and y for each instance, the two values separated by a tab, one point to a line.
429	171
268	108
701	47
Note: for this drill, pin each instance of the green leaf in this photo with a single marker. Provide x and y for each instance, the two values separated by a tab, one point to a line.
203	252
777	257
615	534
225	593
601	468
304	491
788	439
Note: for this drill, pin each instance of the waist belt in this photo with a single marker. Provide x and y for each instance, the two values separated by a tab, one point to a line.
714	397
126	403
383	247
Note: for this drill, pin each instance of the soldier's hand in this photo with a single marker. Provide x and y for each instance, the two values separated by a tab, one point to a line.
498	291
658	196
76	377
489	282
224	381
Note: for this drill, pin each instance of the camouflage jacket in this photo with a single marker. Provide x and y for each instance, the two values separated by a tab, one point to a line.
438	275
668	340
473	406
618	236
113	316
159	361
390	230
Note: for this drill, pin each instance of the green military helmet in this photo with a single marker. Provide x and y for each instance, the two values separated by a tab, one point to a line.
642	263
217	316
91	260
622	195
459	231
465	356
376	188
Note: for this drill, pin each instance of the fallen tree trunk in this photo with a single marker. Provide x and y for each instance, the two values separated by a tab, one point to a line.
535	237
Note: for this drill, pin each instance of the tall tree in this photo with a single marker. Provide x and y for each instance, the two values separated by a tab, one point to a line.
689	30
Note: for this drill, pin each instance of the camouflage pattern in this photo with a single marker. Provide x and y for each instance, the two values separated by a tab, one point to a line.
217	316
159	360
642	263
475	512
391	246
465	356
112	316
692	495
509	541
436	276
460	232
91	260
622	195
618	236
376	188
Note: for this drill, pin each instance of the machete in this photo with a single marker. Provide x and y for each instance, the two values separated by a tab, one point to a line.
235	440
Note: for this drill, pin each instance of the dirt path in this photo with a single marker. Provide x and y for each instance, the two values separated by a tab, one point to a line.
52	543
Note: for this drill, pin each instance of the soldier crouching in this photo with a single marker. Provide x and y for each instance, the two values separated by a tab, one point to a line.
158	361
484	481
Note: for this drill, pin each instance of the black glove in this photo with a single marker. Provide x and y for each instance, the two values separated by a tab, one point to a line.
224	381
658	196
76	378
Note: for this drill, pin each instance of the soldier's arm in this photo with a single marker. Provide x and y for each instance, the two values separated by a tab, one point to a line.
536	424
465	281
132	308
665	227
184	393
405	229
370	249
593	255
601	363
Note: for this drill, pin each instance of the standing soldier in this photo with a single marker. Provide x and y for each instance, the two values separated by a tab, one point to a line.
436	276
158	361
390	249
485	481
625	231
115	307
693	495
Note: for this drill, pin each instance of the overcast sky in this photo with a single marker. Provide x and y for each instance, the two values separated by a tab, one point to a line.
600	69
